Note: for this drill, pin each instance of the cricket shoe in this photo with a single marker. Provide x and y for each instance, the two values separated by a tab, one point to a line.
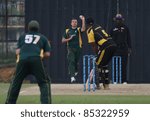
97	88
73	79
106	86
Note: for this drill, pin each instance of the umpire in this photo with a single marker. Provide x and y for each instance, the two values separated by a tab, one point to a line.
29	61
121	35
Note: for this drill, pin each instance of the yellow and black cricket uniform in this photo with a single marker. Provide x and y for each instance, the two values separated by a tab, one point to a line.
74	48
106	48
30	62
104	43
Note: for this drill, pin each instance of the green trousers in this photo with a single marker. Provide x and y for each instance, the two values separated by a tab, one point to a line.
73	60
32	65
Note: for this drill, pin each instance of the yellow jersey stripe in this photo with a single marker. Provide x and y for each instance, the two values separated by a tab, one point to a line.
100	57
17	60
100	42
103	31
42	53
67	31
80	38
90	35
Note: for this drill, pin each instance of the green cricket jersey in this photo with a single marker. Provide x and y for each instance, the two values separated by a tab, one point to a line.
76	41
32	44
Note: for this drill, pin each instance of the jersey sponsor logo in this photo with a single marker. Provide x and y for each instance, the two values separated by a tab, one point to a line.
32	39
115	29
120	30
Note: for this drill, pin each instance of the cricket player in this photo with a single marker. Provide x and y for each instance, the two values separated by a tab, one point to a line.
103	47
72	36
30	47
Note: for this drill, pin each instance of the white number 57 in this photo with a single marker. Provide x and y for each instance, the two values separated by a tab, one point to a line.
30	39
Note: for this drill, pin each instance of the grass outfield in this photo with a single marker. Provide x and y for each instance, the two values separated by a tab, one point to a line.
76	99
85	99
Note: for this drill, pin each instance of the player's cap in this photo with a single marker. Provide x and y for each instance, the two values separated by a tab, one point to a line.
118	17
89	21
33	25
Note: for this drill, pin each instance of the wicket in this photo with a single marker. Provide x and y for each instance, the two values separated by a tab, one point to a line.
116	70
89	71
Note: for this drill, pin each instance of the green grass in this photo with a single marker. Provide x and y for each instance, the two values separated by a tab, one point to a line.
77	99
101	99
86	99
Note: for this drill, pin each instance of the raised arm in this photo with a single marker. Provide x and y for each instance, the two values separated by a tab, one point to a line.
83	23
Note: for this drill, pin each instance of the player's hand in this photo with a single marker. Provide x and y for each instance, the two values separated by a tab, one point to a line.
17	51
82	17
71	37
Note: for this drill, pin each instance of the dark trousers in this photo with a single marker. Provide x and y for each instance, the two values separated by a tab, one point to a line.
32	65
103	58
73	60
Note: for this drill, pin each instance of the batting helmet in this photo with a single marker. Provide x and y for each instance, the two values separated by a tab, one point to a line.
33	25
89	21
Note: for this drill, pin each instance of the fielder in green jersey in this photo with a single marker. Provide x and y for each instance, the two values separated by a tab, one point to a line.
72	37
31	48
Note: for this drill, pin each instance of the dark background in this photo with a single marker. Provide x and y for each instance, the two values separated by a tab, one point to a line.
55	15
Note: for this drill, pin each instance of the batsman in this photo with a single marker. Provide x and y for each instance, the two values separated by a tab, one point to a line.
30	47
103	47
